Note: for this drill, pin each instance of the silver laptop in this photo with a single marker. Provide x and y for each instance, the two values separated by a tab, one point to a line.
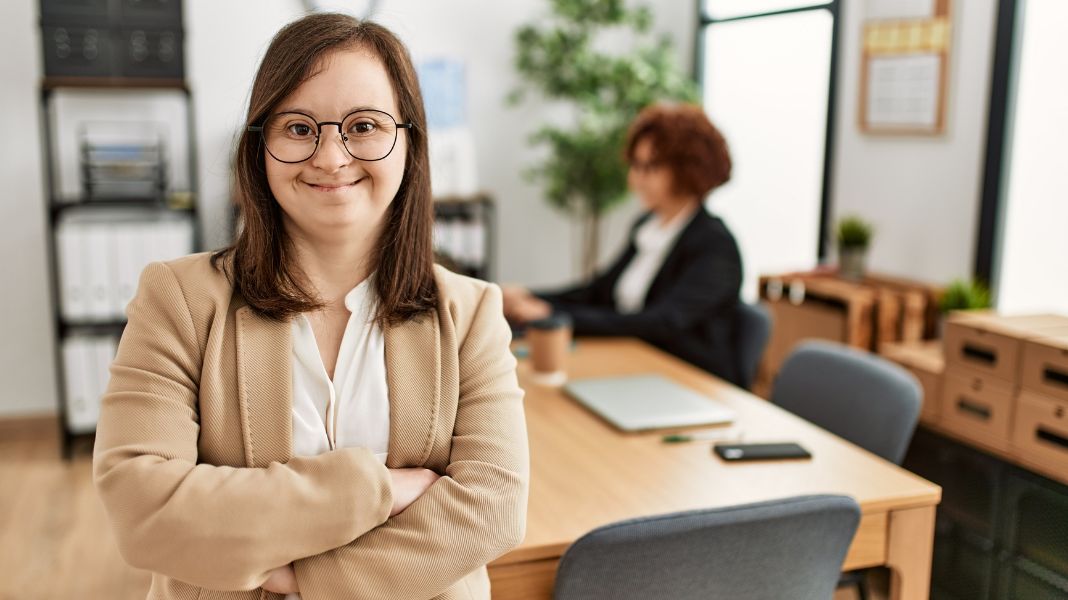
639	402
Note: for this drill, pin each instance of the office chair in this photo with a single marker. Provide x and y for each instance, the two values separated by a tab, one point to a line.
791	548
855	395
752	331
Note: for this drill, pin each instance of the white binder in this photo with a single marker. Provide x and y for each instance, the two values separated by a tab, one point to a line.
129	260
98	269
80	383
73	287
103	353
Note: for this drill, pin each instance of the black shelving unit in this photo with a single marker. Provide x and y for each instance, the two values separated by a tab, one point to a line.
481	211
1001	531
119	45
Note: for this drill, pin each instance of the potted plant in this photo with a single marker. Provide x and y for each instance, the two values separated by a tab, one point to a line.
562	58
964	294
854	238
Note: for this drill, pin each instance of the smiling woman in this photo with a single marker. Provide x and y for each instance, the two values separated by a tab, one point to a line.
318	410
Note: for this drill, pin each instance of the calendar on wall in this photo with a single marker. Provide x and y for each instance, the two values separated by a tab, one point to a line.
905	66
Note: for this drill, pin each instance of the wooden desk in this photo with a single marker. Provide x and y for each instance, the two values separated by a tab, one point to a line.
585	474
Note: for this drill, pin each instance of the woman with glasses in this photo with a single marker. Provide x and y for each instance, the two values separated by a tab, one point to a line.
676	283
318	409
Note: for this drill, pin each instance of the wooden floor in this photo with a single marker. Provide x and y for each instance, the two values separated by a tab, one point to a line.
55	541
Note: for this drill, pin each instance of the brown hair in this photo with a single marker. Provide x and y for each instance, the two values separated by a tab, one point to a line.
262	268
686	142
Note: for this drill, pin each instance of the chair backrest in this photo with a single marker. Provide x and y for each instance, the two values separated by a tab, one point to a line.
752	324
855	395
791	548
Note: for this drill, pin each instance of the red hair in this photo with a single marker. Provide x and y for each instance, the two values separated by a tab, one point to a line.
686	143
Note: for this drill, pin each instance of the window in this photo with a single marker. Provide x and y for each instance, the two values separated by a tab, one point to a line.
767	82
1029	272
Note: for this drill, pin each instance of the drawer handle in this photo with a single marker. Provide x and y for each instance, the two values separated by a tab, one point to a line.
1055	376
980	354
1053	438
973	409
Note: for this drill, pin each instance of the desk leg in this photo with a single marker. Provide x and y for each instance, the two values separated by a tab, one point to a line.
530	580
909	549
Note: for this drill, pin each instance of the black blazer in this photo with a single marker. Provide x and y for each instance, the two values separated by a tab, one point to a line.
689	308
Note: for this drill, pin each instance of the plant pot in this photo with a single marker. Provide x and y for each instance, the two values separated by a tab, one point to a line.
852	262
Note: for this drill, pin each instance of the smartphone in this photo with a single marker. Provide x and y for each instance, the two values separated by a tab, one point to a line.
728	451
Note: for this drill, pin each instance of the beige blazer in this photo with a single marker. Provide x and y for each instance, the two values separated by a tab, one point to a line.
193	459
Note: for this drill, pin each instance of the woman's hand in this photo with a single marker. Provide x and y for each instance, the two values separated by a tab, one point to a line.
531	309
282	581
408	485
512	296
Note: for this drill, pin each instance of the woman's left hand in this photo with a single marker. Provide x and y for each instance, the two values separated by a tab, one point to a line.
282	581
532	309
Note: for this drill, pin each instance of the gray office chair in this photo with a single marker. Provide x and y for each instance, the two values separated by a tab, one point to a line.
752	331
791	548
855	395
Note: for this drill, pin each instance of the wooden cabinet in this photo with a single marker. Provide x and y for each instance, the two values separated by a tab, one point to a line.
863	314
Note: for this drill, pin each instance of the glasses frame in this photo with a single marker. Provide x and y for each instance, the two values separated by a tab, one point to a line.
319	133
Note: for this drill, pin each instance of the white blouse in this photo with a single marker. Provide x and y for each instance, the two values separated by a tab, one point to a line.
653	240
353	408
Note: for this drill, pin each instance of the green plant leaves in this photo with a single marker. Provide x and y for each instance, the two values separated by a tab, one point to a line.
584	172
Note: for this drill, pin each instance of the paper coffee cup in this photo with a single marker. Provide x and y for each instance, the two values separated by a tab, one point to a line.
549	340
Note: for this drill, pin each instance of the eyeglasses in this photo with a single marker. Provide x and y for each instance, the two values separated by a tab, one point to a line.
645	166
293	137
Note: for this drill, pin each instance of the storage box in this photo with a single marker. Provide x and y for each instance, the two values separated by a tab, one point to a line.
977	406
804	308
1040	432
81	11
161	13
146	52
926	362
1045	366
990	343
77	51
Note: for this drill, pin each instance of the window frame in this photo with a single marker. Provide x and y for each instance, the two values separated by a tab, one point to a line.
704	21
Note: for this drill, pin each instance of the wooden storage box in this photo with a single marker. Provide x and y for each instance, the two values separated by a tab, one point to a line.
1040	433
804	308
977	406
991	344
1045	366
925	361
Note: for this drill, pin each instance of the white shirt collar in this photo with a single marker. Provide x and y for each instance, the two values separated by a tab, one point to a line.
362	296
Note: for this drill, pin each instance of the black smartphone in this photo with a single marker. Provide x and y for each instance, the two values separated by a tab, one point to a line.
728	451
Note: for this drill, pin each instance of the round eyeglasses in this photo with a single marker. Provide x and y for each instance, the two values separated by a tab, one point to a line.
292	137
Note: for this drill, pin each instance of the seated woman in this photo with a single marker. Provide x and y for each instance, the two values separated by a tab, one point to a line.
676	284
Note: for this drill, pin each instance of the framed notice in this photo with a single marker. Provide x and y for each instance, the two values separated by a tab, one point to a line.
905	66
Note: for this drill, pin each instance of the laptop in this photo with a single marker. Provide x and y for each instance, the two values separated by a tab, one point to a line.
641	402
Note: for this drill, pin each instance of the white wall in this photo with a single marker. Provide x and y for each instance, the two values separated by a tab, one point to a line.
225	41
1030	273
26	350
921	193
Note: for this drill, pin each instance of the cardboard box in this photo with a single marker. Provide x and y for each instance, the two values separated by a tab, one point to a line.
1044	368
925	361
1040	432
992	344
977	406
